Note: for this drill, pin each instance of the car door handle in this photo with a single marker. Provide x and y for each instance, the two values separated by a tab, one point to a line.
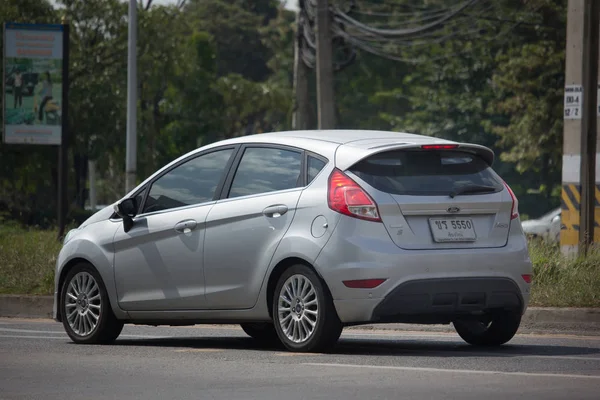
186	226
275	211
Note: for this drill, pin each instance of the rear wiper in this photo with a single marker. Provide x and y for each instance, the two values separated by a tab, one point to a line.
472	189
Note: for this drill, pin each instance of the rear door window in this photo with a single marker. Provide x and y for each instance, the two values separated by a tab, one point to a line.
425	172
266	169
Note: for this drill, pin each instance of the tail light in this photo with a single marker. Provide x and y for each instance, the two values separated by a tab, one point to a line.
439	146
527	278
347	197
514	211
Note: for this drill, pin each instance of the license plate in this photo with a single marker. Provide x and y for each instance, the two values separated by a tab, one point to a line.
452	230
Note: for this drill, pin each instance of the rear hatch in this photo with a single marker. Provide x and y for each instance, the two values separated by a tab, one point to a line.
439	196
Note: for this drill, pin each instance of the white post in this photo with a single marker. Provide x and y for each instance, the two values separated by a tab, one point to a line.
131	158
92	179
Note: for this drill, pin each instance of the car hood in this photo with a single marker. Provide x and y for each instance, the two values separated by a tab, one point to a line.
101	215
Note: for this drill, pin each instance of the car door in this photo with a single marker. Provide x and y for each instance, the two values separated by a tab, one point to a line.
244	229
158	264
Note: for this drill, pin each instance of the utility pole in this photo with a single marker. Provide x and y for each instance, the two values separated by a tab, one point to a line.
302	104
325	94
63	150
579	169
131	157
589	119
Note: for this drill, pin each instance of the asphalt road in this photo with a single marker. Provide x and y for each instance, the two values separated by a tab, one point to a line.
37	361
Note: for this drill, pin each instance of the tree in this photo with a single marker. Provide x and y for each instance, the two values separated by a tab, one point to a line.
192	104
97	79
528	84
234	25
500	86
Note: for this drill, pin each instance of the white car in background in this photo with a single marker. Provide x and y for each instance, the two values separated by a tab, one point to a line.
546	227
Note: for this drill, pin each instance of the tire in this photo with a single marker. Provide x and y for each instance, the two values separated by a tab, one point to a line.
263	332
91	305
500	328
312	307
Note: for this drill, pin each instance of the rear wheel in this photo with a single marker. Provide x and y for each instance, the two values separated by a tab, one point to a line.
303	312
263	332
493	330
85	308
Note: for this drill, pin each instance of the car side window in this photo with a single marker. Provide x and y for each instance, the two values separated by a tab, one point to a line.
264	169
314	167
192	182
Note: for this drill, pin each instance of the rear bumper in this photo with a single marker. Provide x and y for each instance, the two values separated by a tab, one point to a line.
421	286
434	301
443	300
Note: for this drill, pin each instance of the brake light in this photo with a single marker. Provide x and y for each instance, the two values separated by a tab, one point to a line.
364	283
527	278
439	146
514	211
347	197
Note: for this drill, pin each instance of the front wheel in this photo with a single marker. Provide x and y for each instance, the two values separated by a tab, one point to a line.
303	312
494	330
85	308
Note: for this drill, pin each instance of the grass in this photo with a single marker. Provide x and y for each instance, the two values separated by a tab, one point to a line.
27	260
564	281
28	257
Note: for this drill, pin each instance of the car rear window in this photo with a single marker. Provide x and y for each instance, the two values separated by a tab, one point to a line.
425	172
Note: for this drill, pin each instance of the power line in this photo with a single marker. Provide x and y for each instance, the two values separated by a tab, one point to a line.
308	43
406	31
483	23
370	49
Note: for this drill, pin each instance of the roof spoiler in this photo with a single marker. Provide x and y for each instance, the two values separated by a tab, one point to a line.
346	156
483	152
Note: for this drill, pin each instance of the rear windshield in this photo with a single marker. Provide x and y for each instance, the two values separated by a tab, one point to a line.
425	172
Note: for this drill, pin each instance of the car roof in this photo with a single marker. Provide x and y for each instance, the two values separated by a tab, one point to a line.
345	146
348	146
355	137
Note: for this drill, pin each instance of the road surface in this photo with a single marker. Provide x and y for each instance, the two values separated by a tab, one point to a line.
37	361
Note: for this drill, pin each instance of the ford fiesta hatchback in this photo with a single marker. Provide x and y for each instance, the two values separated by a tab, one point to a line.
294	235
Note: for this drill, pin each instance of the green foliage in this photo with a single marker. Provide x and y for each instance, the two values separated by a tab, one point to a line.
223	68
501	87
191	104
234	25
214	69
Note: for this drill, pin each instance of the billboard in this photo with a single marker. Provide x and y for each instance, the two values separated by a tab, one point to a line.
32	83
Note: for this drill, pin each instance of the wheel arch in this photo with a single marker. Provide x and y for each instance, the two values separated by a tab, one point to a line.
63	274
279	269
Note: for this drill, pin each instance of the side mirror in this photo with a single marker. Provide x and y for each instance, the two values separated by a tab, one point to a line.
127	209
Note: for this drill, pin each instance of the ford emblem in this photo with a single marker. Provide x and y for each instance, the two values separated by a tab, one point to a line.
453	210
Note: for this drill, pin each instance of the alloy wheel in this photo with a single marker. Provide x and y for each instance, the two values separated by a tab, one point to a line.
298	308
83	304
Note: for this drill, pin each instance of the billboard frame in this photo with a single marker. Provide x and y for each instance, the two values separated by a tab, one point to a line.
63	145
34	29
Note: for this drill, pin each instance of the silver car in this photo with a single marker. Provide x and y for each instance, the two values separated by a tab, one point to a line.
294	235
